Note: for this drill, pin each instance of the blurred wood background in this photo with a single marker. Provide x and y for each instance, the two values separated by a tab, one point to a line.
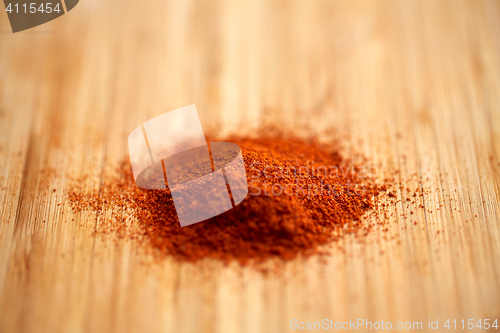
414	85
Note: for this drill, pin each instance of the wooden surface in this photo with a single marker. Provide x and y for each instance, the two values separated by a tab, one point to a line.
414	85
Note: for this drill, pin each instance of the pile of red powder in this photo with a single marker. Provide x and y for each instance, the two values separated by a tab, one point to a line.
302	195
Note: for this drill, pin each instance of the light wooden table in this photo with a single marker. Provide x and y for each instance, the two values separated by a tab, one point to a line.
414	85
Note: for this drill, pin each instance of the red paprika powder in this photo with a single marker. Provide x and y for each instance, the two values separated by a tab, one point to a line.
302	195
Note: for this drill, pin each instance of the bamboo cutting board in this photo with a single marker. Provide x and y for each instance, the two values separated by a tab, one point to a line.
413	85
